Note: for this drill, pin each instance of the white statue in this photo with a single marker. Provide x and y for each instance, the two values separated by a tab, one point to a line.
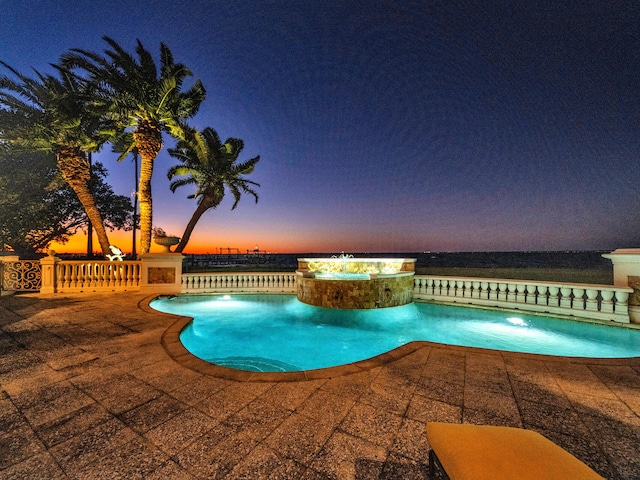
117	254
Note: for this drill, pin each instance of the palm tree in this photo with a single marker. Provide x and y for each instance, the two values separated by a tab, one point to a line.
53	114
211	174
143	103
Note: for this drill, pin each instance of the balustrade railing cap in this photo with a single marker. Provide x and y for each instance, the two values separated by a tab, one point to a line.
624	254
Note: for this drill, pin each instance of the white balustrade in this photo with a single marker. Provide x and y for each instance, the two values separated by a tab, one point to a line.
597	302
95	276
239	282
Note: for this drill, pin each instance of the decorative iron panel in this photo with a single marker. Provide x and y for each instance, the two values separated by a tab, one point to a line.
21	275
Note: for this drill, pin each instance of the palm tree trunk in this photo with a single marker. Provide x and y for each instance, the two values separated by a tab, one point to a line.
148	139
76	171
203	206
145	203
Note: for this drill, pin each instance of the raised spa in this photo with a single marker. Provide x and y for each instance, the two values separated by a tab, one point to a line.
355	283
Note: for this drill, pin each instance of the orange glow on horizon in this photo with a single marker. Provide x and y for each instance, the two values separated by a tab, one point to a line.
77	244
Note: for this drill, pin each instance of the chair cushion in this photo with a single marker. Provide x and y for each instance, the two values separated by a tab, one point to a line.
486	452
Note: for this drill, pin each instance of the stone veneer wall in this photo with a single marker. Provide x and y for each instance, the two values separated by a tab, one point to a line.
378	292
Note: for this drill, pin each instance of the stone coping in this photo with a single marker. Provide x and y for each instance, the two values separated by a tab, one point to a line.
175	349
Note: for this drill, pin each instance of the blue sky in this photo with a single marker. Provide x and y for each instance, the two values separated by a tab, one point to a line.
390	126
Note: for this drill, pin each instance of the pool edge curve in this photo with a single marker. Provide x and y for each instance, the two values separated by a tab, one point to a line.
170	341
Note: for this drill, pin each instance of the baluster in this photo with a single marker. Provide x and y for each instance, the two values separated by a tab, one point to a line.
104	273
76	275
94	271
607	303
565	297
133	275
66	275
622	305
493	291
512	294
73	275
138	273
124	274
503	292
543	295
475	292
468	288
85	272
578	299
484	290
87	275
116	275
449	289
592	300
553	300
528	292
108	274
457	288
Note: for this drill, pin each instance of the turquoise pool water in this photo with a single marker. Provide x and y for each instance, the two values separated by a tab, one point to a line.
279	333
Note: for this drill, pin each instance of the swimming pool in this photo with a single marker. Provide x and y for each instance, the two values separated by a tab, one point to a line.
272	333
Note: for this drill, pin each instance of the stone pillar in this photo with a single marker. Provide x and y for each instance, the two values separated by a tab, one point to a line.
49	274
161	273
626	273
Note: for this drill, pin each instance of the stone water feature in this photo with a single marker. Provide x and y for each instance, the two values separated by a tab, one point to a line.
355	283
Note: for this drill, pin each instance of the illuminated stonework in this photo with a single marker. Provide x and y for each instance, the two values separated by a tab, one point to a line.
355	283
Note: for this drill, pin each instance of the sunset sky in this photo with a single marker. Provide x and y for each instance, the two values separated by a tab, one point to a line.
388	126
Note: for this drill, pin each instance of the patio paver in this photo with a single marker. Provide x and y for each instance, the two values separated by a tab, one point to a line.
88	391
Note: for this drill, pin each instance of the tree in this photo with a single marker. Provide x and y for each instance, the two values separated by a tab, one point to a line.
143	103
211	173
54	115
37	207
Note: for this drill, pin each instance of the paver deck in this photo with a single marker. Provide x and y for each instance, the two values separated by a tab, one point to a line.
88	391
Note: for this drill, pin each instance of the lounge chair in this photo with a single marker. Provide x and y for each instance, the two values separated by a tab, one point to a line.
478	452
